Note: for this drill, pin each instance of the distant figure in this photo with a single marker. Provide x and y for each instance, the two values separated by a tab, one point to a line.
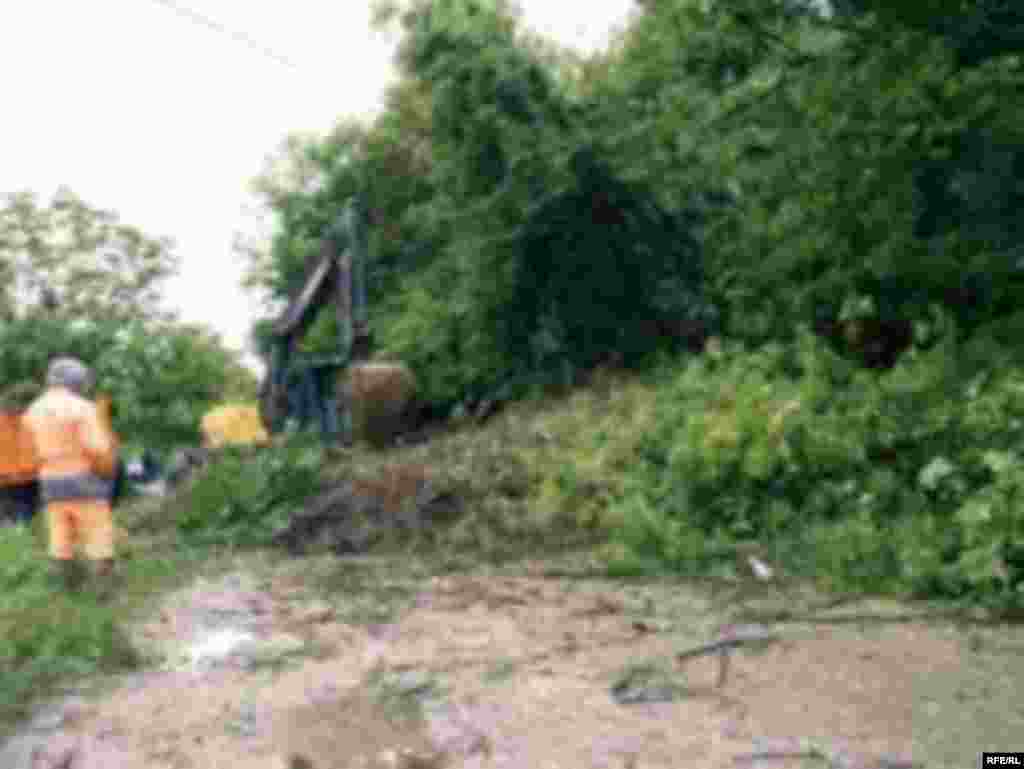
24	499
133	470
19	465
145	473
104	407
19	489
151	469
145	469
184	463
118	487
78	458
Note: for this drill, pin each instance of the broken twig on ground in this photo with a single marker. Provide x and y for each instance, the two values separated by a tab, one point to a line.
833	758
722	647
784	615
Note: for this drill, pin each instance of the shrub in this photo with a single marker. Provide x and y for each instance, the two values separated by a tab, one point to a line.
247	494
577	474
904	479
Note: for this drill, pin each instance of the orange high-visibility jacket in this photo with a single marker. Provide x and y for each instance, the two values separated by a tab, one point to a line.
72	436
19	462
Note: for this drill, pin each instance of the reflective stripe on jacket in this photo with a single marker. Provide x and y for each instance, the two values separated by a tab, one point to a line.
85	486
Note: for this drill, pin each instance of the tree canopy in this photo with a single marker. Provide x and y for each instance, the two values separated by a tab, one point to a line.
81	260
758	164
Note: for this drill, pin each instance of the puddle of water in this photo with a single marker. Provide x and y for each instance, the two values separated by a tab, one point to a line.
217	647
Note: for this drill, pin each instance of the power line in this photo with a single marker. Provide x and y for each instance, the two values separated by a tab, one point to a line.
240	37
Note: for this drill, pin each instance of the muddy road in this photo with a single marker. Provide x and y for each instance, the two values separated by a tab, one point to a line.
384	662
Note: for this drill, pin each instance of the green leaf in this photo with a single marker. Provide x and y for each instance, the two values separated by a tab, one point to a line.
935	472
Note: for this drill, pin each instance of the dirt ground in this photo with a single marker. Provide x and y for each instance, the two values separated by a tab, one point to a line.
371	663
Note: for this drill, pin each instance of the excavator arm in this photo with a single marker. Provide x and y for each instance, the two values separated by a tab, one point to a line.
337	273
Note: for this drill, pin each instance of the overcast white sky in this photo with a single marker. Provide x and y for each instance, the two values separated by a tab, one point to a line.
139	110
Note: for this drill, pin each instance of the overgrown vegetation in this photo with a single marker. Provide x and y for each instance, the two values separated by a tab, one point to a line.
48	637
835	194
902	480
247	494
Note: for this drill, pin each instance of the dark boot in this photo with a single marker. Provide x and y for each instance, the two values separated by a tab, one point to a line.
66	575
104	579
362	345
26	500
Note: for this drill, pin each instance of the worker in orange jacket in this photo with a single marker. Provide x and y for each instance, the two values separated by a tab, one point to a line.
77	453
19	488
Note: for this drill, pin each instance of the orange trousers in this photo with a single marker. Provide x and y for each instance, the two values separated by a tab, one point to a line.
85	522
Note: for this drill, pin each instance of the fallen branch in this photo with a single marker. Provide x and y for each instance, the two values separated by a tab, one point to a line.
602	573
725	644
898	763
776	755
833	758
722	648
784	615
792	748
837	600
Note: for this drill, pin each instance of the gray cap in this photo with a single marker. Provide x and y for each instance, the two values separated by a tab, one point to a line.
70	373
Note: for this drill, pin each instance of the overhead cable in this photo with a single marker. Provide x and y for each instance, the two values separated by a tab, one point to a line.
240	37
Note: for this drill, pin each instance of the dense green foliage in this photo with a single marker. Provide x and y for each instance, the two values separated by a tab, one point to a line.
162	377
836	195
857	160
245	496
905	478
500	173
785	165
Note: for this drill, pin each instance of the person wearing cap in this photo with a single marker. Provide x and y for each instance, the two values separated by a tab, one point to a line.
78	454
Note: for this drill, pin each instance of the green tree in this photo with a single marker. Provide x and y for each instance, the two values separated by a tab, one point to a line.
162	376
506	243
976	30
79	282
82	260
858	158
